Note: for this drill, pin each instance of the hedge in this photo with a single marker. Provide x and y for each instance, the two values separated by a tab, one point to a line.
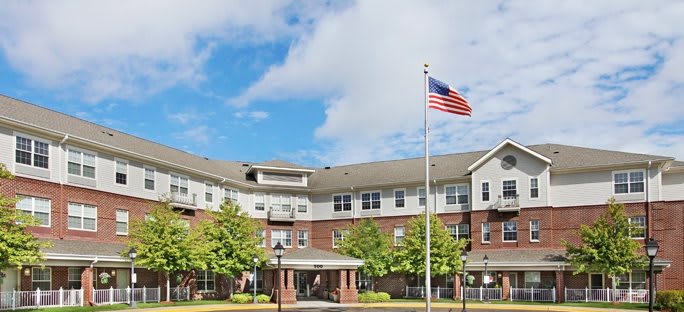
241	298
670	300
371	297
263	298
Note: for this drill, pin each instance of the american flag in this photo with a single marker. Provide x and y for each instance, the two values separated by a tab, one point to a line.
445	98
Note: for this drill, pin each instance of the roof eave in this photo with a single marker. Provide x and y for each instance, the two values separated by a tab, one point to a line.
501	145
259	167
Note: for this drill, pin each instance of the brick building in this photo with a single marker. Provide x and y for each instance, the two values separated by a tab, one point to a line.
515	203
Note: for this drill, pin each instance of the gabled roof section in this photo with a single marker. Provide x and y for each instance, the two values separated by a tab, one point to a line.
503	144
279	165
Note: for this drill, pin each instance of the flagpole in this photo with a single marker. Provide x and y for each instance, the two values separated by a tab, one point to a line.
428	292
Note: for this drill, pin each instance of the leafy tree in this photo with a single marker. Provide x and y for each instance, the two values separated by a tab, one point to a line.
367	242
445	251
230	240
17	246
607	246
165	242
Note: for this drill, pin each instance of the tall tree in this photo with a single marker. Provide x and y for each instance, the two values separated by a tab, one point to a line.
230	240
165	242
445	251
607	246
17	246
366	241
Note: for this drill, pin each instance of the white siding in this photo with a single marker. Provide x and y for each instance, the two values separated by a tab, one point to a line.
673	186
7	145
576	189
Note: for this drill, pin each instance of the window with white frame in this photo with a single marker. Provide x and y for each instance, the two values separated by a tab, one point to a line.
259	280
534	188
302	203
532	279
510	189
534	230
81	163
627	182
208	194
456	194
82	217
633	280
370	200
179	184
40	208
363	281
485	191
281	202
458	231
422	199
74	278
486	233
206	280
302	238
510	231
32	152
282	236
259	203
338	236
400	198
398	235
121	222
638	229
121	176
231	194
149	178
41	278
261	234
342	202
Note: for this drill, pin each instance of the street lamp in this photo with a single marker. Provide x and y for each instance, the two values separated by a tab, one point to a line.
464	257
651	251
486	296
132	253
255	259
278	250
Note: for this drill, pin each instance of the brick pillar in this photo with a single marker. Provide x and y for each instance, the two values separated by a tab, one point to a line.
348	292
287	287
457	286
560	287
506	285
87	285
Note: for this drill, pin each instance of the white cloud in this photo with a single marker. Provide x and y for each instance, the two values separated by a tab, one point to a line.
599	74
253	115
200	135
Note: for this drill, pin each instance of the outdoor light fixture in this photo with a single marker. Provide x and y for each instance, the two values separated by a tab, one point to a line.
132	253
278	250
464	257
113	272
256	260
27	272
651	250
486	296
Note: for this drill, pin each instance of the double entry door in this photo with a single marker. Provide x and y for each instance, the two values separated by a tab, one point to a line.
302	284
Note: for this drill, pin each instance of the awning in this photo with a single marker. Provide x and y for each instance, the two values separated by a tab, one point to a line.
315	259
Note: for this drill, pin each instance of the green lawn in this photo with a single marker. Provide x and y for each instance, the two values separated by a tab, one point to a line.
125	306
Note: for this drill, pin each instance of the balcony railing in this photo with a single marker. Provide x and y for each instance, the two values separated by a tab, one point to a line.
508	203
183	200
281	213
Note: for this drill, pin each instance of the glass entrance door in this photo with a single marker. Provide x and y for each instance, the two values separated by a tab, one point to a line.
302	284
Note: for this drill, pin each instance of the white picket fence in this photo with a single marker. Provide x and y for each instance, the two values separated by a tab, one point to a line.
180	293
606	295
12	300
483	294
436	292
533	294
113	296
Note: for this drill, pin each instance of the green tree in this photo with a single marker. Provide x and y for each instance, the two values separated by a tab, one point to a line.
607	246
17	246
367	242
165	242
445	251
230	240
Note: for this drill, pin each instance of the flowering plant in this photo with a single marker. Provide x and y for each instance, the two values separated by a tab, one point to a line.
104	277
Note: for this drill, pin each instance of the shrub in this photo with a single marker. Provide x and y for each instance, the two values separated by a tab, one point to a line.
241	298
670	300
263	298
371	297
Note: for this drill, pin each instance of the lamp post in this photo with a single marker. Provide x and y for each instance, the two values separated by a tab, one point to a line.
464	257
132	254
486	296
255	259
278	250
651	251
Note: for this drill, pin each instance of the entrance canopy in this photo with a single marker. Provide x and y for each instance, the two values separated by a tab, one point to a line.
314	259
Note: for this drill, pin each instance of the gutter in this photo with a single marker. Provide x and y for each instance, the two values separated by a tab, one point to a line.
61	184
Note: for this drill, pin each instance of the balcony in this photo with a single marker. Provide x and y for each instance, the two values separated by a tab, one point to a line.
183	200
286	214
508	203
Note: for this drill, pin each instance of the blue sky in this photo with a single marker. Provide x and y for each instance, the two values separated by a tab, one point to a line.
337	82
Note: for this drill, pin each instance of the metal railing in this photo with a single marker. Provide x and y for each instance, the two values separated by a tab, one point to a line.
436	292
113	296
12	300
606	295
183	198
280	213
483	294
180	293
508	201
533	294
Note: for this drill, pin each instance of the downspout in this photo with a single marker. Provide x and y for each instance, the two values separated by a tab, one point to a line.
353	206
434	182
648	202
61	190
